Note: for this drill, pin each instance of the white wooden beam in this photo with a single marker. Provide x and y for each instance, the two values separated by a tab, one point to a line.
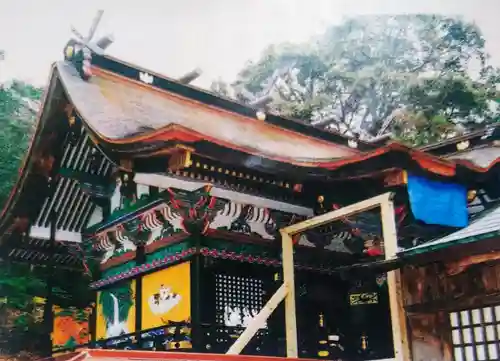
61	235
163	181
259	320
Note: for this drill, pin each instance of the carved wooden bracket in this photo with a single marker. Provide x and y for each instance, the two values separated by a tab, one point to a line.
180	158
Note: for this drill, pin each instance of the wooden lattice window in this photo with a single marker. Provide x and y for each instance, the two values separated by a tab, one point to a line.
476	334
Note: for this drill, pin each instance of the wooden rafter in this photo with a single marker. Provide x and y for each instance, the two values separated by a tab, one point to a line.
287	290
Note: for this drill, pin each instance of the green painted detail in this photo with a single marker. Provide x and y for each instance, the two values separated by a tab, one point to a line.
438	246
143	203
241	248
123	293
118	252
114	271
169	251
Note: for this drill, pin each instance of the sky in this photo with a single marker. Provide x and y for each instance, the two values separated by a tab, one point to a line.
172	37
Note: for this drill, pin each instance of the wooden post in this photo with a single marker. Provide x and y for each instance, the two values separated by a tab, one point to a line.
259	320
48	314
289	280
398	316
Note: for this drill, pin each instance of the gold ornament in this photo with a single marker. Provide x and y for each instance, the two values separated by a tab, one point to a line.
69	51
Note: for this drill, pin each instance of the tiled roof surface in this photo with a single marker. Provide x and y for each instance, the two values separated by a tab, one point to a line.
482	157
484	226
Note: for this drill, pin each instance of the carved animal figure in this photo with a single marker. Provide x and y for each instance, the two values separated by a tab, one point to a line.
257	219
126	244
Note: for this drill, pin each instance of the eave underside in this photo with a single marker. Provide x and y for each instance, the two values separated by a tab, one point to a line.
42	196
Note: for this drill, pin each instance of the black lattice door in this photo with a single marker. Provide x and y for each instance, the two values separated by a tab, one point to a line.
233	294
238	299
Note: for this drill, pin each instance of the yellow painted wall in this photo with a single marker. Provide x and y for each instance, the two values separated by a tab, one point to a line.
101	326
178	279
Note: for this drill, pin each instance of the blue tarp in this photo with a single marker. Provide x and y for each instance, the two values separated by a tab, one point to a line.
438	202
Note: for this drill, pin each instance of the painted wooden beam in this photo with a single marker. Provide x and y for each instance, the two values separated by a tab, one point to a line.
339	213
60	236
259	321
163	181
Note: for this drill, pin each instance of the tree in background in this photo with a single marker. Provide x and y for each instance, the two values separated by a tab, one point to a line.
419	77
23	335
18	283
18	105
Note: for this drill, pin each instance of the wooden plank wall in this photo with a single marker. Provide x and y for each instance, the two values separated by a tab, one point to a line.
430	292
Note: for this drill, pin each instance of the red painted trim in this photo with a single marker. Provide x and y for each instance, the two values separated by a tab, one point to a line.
164	242
160	355
129	256
292	134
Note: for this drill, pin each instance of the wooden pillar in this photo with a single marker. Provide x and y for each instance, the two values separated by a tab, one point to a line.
48	317
93	321
196	299
398	316
289	281
140	258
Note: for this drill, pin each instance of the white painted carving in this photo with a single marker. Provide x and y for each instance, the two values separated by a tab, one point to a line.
127	244
146	77
173	217
303	241
153	224
225	216
233	316
116	198
104	243
258	219
337	242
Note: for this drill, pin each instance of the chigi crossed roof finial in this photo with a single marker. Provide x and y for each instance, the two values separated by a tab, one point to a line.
79	50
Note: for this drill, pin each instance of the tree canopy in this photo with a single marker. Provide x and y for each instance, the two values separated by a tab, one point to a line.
18	104
421	77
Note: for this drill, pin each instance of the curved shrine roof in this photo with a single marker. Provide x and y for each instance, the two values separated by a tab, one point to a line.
123	111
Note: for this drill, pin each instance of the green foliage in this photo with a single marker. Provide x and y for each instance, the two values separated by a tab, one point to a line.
17	124
18	286
360	74
125	298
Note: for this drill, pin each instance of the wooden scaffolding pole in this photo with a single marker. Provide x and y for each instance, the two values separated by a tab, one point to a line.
398	315
287	290
289	279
